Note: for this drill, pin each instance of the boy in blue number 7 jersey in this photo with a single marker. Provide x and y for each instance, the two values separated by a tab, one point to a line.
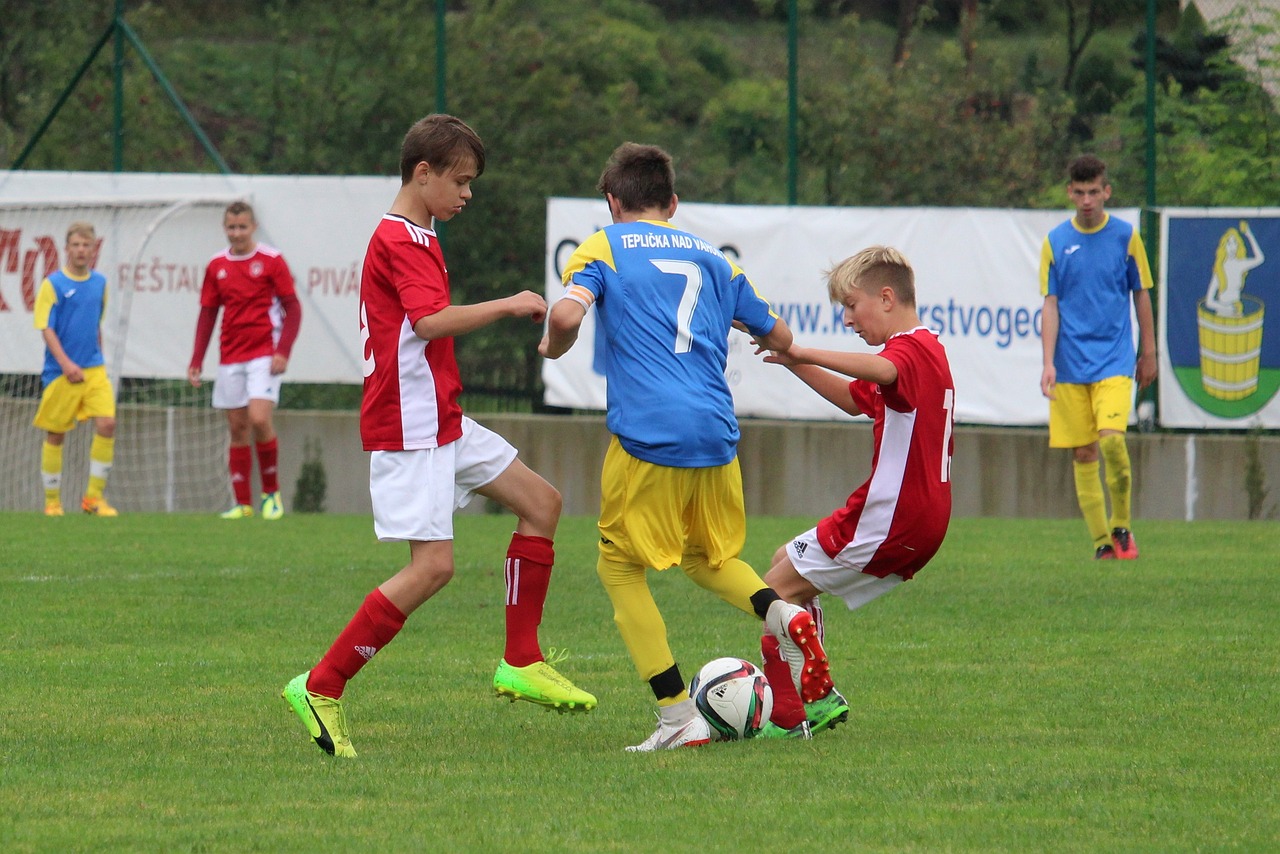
671	489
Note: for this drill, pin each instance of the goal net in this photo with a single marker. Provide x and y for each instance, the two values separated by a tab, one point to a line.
171	445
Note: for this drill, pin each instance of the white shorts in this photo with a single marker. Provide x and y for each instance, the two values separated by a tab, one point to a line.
838	576
241	382
416	492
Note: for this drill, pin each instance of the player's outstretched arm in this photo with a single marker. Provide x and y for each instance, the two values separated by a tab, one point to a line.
453	320
831	387
562	328
859	366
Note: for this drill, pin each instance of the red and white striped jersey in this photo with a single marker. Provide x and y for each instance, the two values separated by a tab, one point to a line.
895	522
248	288
411	386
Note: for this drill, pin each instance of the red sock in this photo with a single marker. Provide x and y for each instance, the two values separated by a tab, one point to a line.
240	464
267	469
372	628
528	573
788	710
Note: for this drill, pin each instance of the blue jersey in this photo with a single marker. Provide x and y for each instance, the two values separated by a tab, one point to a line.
73	308
666	301
1094	274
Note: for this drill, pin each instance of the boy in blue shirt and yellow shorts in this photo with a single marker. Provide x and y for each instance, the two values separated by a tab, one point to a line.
69	308
1091	266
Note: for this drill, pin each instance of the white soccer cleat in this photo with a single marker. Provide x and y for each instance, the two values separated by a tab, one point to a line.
692	733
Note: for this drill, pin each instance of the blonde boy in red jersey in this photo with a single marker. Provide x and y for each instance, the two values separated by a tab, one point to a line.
429	459
260	322
893	524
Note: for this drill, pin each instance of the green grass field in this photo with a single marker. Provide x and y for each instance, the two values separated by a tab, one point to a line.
1017	696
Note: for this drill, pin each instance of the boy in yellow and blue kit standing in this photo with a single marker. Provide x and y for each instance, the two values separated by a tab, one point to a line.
69	309
1091	266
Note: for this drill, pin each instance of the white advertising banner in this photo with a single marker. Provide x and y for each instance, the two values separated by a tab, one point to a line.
977	283
1220	354
158	232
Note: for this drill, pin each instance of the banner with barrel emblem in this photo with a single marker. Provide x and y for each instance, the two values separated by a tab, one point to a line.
1220	363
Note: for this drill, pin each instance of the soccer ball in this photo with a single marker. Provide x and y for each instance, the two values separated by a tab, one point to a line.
734	697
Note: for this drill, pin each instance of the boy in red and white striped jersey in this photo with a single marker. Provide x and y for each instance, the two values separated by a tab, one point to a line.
428	459
893	524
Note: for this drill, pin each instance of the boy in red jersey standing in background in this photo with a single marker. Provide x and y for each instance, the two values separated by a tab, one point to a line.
893	524
252	282
428	459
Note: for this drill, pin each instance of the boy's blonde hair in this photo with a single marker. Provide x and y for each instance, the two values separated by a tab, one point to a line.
870	270
82	228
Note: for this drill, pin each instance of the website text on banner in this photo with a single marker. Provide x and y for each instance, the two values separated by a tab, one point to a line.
976	272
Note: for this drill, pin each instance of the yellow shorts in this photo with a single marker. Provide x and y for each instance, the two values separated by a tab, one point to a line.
1080	410
63	403
652	515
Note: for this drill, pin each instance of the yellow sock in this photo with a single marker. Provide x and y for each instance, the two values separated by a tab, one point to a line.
51	472
637	616
1119	478
1092	502
101	453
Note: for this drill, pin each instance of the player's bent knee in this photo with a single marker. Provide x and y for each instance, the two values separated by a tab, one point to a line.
542	508
432	575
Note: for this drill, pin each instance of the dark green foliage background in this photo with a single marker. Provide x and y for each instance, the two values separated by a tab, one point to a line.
326	87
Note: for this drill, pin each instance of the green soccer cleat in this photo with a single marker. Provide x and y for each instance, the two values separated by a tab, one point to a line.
240	511
772	730
826	712
542	684
272	506
322	716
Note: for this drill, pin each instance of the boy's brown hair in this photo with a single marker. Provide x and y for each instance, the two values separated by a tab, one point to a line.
1086	168
870	270
441	140
639	177
239	207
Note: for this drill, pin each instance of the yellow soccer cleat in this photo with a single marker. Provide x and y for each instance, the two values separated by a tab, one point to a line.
53	508
323	717
542	684
97	507
240	511
272	506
